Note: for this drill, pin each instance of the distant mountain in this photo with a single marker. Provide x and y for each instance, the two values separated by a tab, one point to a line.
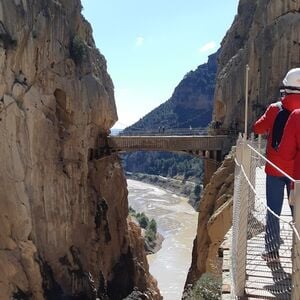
190	105
115	131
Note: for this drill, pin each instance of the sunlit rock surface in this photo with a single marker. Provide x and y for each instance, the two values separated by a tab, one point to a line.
264	35
215	218
63	227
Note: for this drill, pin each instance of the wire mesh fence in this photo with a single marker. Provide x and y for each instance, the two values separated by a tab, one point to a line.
264	266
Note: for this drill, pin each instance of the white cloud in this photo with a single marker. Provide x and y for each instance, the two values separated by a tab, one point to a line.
208	46
139	41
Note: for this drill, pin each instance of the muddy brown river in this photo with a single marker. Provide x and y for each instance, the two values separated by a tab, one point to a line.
177	222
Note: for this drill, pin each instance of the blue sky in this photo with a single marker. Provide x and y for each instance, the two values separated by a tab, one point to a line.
150	45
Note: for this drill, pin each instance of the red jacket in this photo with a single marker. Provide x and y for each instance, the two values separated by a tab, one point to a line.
289	147
264	125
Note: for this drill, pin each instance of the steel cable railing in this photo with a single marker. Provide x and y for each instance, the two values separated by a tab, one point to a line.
256	229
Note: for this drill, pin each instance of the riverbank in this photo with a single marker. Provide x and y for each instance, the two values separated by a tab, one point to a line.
177	222
183	188
152	238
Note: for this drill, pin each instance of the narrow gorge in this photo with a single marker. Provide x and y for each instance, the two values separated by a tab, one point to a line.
65	231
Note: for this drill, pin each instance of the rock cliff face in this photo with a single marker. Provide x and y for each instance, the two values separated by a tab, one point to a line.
214	220
63	227
265	34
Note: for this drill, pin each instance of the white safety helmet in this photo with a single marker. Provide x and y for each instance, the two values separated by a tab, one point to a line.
291	81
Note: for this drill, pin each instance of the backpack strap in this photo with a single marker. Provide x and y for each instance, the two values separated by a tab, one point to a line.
279	124
279	105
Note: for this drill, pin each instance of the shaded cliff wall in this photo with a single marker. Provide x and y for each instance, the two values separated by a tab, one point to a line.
214	220
266	35
63	227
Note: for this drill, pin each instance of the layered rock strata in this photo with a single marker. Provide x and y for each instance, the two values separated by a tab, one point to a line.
63	226
265	35
214	220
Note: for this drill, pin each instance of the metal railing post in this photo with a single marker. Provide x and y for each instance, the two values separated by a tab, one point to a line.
241	210
296	245
239	149
246	101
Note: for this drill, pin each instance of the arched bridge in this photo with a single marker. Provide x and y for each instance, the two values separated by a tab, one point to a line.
205	146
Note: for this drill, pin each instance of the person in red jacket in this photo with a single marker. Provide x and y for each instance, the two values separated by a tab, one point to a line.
289	147
276	182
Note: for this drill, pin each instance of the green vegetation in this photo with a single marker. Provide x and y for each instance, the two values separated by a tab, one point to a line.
208	287
149	226
183	168
142	219
164	164
194	197
150	233
78	50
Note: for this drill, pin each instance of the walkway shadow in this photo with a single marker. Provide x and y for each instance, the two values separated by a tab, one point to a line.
282	286
256	226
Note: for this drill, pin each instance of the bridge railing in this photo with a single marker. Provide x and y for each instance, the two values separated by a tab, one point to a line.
249	223
177	131
165	131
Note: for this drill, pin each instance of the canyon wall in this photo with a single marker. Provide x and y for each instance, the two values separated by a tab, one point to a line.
63	217
214	220
265	35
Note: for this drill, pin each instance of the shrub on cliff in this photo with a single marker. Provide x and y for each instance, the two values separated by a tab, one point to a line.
150	233
78	49
208	287
142	219
194	197
150	227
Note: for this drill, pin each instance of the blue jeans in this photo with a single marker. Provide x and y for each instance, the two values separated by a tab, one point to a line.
275	192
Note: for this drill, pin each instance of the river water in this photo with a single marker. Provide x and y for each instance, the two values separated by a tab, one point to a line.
177	222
